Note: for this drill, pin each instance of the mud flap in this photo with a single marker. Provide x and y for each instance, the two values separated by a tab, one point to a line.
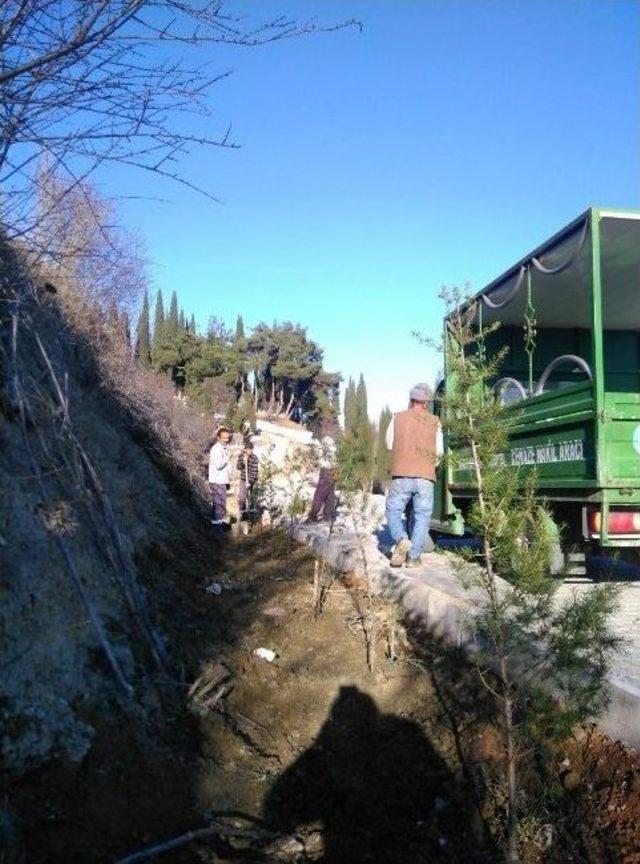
445	516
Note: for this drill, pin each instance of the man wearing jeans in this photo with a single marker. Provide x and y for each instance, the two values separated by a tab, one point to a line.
415	438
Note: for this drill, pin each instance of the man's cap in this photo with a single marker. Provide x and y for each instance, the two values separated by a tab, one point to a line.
420	393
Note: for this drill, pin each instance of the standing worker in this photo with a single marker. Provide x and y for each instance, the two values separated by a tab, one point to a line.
324	497
247	466
219	476
414	437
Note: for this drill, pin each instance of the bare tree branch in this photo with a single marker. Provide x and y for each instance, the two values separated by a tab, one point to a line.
97	82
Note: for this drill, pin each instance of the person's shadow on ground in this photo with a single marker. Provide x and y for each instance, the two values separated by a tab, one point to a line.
371	779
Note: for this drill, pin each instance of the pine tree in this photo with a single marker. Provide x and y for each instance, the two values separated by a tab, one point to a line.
158	325
173	319
230	417
143	336
239	328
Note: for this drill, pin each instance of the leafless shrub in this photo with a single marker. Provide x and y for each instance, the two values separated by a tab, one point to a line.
82	249
98	271
176	433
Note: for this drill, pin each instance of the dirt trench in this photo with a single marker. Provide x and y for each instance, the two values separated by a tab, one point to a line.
315	743
315	756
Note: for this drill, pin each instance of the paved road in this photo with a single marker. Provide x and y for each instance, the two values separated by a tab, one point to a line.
626	623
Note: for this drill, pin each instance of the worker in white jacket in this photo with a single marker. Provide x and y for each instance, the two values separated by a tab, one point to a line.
219	476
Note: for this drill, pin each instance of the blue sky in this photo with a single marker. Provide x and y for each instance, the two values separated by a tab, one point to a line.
437	146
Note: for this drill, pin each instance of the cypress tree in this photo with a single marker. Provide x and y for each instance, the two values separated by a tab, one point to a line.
143	336
239	328
361	414
363	433
349	405
158	325
181	320
383	456
358	442
173	319
192	325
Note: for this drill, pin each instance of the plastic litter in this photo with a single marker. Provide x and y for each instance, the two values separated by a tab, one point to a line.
214	588
265	654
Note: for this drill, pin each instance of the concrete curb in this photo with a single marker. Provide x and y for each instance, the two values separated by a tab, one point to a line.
446	608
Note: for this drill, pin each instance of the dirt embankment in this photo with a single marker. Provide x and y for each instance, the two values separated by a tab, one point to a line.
81	494
86	487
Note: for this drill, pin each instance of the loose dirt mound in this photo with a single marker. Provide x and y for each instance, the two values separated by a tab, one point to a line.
601	783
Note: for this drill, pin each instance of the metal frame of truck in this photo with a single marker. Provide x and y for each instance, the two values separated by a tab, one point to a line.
584	437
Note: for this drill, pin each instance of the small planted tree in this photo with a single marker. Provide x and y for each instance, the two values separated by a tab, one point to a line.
543	659
359	516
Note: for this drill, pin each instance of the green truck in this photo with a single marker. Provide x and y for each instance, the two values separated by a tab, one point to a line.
569	314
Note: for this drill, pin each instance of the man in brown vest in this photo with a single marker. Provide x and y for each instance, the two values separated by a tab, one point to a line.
415	438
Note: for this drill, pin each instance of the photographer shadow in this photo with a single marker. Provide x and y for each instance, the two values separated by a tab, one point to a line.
372	781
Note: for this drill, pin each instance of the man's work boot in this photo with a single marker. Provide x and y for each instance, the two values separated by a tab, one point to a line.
400	552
